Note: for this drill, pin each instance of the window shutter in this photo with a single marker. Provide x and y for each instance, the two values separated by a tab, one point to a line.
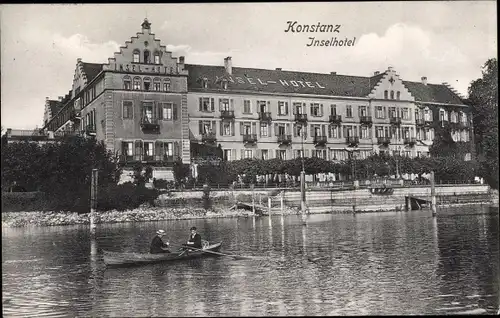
312	130
214	127
321	109
200	127
295	130
276	132
174	111
385	112
176	149
268	106
155	110
233	154
124	148
220	104
286	108
231	125
241	128
258	154
270	129
156	150
231	101
212	104
303	108
330	131
368	110
311	109
221	128
323	132
200	104
287	130
306	155
294	111
277	153
305	131
242	154
345	131
160	110
254	128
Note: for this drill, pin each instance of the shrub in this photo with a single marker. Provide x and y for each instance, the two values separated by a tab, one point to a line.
125	196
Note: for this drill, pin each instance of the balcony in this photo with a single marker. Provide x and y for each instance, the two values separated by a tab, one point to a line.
208	138
396	121
301	118
366	120
150	124
320	140
158	159
265	116
352	141
284	139
75	116
250	138
410	141
335	119
227	114
385	141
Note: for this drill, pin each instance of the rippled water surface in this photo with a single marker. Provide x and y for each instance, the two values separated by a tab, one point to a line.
386	263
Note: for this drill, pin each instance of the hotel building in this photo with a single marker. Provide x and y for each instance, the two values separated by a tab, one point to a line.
150	107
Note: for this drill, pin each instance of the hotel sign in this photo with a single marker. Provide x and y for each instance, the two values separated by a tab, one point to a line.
145	68
258	81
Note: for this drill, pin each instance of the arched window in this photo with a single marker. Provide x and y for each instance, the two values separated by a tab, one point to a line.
127	82
157	57
147	83
137	54
156	84
137	83
166	85
146	57
392	94
442	115
398	95
386	95
463	117
453	117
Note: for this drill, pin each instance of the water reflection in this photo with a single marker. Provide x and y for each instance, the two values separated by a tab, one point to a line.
379	263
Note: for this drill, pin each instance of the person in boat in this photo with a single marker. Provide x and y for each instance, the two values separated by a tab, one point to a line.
194	239
157	245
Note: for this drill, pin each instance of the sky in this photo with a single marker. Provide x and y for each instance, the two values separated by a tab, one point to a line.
444	41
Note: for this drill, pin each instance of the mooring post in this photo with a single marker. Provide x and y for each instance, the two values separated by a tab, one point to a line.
253	198
93	200
433	195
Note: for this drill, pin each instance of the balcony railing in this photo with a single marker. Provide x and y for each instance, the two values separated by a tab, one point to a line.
163	159
411	141
208	138
384	140
367	120
90	130
265	116
250	138
150	124
227	114
284	139
301	118
335	119
320	140
396	121
352	141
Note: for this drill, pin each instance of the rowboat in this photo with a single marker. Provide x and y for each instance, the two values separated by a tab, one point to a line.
128	259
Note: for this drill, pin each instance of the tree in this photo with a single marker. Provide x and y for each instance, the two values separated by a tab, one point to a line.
483	97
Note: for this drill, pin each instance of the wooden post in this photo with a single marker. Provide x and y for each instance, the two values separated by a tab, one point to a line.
282	202
433	195
93	200
269	206
253	198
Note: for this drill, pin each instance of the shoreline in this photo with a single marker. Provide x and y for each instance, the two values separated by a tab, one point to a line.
142	214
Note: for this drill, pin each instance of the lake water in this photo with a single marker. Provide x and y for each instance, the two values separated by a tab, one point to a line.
389	263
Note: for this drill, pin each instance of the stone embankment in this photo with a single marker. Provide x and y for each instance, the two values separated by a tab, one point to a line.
21	219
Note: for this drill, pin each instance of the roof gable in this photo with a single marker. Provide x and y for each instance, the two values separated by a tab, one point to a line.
390	82
433	93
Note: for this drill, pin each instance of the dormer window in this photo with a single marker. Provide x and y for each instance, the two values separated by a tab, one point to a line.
146	57
157	58
147	83
386	94
136	56
137	83
224	84
127	83
204	82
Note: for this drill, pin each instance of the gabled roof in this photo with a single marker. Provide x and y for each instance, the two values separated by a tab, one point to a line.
334	85
54	106
432	93
319	83
91	70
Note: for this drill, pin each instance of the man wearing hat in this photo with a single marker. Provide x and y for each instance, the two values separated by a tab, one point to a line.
157	245
194	239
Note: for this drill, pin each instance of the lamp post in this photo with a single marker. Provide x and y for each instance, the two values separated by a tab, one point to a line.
302	179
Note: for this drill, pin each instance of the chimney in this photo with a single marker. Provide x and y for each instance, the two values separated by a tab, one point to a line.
333	73
278	68
181	59
60	98
390	68
47	98
228	65
78	60
424	80
376	73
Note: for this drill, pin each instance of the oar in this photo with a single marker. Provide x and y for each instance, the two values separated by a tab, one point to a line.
212	252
